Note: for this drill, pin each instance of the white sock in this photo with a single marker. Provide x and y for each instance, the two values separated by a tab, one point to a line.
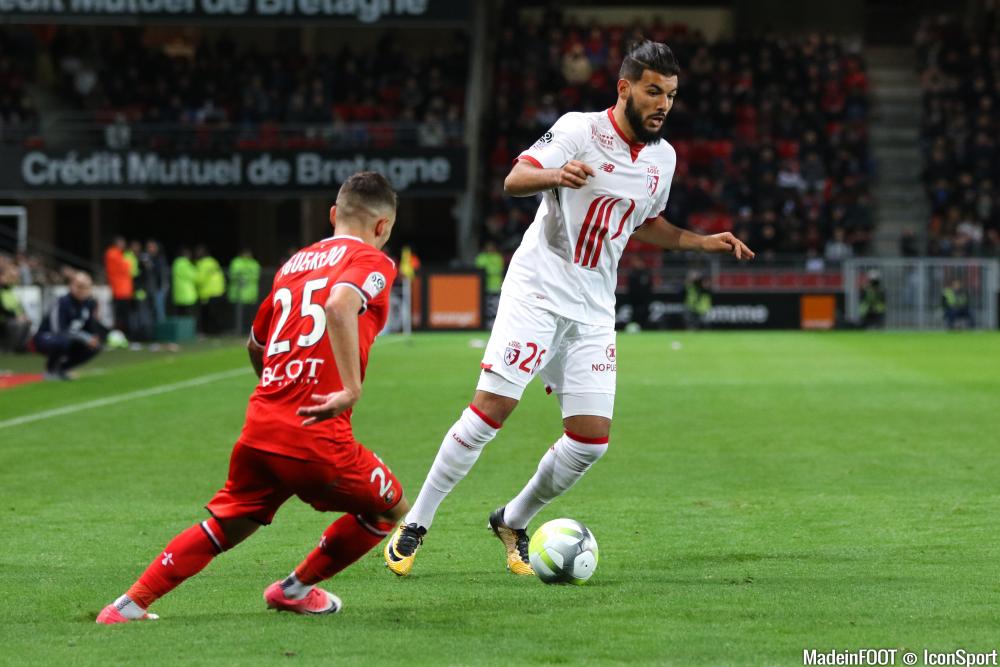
559	469
460	449
128	608
293	588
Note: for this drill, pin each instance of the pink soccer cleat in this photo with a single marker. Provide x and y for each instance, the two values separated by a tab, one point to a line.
110	615
317	602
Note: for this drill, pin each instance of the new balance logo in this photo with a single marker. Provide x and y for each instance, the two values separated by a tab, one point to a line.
168	559
607	166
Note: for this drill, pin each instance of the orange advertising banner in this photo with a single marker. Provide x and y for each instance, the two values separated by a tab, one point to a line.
818	311
454	301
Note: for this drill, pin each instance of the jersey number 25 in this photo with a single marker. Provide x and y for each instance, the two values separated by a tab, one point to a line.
283	300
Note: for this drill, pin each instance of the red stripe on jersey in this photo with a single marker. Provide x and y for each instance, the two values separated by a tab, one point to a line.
528	158
583	230
588	232
600	242
598	238
605	228
598	230
621	223
587	441
482	415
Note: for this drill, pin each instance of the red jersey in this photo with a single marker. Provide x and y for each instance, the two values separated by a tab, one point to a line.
298	360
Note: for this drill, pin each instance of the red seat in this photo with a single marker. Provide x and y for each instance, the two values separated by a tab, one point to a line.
701	154
711	222
787	149
721	149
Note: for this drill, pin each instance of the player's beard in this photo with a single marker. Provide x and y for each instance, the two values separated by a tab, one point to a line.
635	120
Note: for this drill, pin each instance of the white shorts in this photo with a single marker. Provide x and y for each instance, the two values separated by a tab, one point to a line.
576	361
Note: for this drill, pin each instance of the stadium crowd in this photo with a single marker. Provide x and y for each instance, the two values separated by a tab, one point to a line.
214	93
771	134
961	96
30	269
222	91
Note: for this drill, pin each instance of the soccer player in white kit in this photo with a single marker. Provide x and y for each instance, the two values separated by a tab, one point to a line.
604	177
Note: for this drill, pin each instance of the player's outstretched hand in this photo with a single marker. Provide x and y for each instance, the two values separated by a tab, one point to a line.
329	406
574	175
727	243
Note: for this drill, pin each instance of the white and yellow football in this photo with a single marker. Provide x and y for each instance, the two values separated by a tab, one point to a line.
563	551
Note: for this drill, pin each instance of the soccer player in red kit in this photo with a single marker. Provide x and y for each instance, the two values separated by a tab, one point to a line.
309	346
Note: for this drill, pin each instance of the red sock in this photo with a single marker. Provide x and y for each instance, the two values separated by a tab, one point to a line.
347	539
185	556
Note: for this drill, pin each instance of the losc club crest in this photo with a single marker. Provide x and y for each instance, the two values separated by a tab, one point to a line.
652	180
512	353
611	353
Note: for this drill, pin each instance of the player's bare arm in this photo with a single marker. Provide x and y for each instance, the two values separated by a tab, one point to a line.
526	179
256	353
661	233
342	308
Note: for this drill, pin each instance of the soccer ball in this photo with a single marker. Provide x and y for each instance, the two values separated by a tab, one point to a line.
116	340
563	551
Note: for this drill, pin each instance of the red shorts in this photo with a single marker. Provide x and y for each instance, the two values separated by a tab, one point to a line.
260	482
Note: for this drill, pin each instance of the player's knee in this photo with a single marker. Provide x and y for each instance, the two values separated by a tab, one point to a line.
588	427
393	515
494	406
399	511
236	530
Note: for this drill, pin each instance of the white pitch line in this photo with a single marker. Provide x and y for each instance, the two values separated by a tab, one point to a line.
119	398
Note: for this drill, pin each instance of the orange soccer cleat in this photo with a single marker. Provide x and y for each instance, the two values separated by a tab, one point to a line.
515	541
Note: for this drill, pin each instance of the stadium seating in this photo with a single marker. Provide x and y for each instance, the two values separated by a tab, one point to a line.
961	94
771	134
211	93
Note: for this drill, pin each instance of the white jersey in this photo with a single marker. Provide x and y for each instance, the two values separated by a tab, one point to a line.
568	260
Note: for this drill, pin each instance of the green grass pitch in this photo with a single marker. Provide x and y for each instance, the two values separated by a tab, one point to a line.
763	494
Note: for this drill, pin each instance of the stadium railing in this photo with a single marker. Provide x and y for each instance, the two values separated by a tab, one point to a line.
914	287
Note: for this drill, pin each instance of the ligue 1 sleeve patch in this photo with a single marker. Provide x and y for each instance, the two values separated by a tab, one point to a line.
544	139
374	284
